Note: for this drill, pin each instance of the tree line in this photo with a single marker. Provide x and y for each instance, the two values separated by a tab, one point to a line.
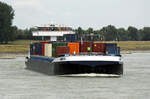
111	33
8	32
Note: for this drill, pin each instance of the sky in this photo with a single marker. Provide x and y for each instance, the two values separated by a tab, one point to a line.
83	13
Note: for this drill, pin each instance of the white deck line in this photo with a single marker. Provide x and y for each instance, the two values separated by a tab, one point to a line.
88	58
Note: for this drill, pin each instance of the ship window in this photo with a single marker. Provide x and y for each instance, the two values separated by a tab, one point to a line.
51	28
55	28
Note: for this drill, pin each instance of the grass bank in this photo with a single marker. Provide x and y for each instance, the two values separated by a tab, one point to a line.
19	46
22	46
134	45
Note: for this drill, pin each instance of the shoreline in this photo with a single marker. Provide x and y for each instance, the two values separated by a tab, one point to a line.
13	55
134	51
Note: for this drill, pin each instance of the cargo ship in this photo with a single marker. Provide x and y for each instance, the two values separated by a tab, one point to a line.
72	57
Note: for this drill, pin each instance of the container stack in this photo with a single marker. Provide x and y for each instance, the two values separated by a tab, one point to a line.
56	49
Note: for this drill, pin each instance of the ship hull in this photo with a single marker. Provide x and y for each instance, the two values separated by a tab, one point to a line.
74	67
81	67
40	66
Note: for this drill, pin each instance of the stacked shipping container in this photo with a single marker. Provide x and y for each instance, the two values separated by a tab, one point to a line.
98	47
43	46
61	50
36	49
56	49
56	44
84	46
48	50
74	48
112	49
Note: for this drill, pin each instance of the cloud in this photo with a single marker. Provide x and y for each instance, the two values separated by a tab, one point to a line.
93	13
27	3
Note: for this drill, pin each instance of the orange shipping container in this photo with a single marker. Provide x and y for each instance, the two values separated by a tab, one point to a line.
74	48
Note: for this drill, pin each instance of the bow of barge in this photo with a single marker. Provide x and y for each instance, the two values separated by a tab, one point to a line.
76	64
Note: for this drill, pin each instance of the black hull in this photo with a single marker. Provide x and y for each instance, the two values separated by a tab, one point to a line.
81	67
75	67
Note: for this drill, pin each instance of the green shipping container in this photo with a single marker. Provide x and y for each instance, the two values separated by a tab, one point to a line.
55	44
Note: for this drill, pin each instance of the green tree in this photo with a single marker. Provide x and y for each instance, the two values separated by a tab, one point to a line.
29	34
80	33
133	33
146	34
122	34
89	34
20	34
109	33
97	35
6	17
140	34
13	32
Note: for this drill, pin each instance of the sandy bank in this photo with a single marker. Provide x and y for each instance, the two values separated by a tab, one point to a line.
134	51
12	55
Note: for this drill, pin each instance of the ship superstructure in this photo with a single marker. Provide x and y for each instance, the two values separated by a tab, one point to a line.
53	31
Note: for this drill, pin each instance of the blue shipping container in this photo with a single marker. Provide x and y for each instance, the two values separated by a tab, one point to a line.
36	49
113	51
71	37
118	51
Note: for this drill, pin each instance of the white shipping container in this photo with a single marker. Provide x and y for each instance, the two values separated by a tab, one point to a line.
48	50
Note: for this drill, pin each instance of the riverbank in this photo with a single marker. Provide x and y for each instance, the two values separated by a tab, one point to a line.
19	46
12	55
132	45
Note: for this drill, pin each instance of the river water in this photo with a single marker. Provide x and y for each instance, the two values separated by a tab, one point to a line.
18	83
